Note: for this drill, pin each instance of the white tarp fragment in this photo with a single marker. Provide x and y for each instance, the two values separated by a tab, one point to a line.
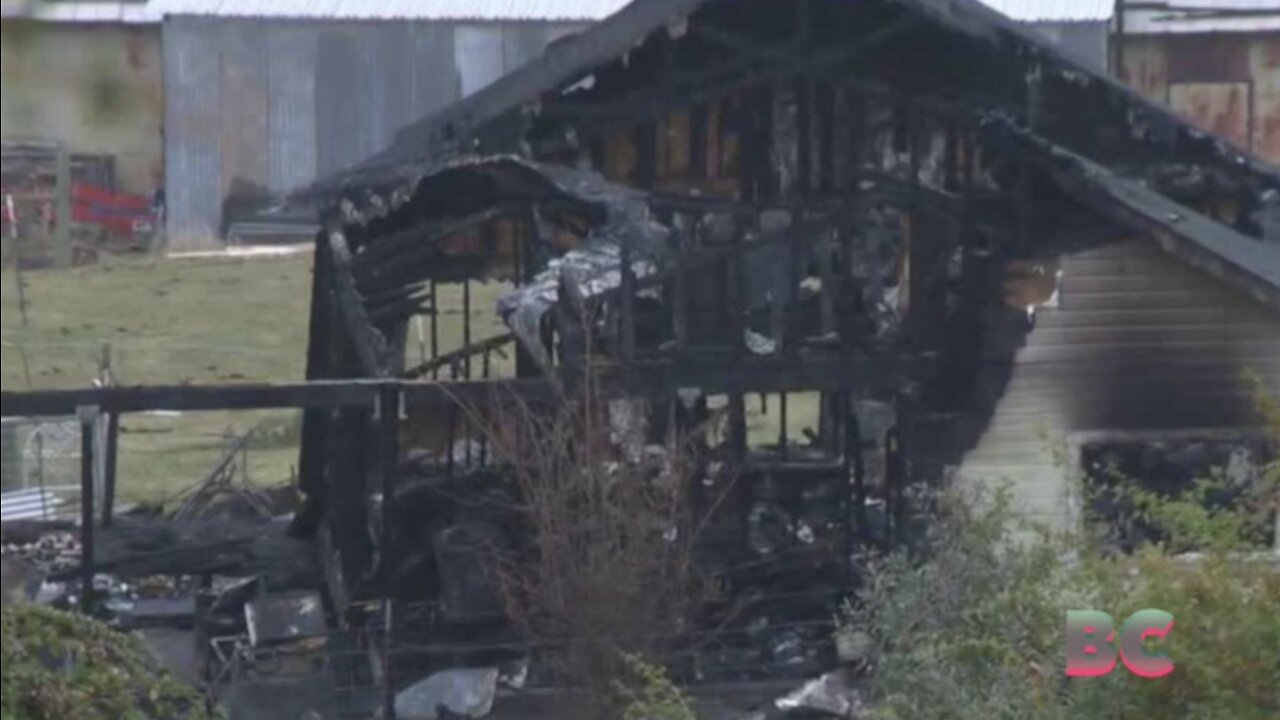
832	693
468	692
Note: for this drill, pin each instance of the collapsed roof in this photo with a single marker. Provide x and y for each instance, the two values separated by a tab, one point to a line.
1123	149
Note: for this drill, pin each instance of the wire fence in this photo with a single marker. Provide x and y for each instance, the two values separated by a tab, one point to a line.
41	465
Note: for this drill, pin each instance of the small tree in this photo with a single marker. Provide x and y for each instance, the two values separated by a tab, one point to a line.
605	583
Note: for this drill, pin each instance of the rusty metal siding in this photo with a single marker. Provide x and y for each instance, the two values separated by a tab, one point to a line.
1139	342
1264	61
1201	76
245	97
291	142
276	104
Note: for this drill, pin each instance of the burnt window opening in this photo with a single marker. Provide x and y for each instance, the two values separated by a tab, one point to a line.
1121	476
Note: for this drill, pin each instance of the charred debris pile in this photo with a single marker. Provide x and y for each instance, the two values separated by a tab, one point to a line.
709	208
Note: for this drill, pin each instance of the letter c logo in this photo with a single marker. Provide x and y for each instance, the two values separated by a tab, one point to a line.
1139	627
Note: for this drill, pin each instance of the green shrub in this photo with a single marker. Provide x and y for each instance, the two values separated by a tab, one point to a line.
975	628
647	693
58	666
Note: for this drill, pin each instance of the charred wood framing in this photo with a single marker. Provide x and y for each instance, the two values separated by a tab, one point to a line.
801	199
483	348
370	346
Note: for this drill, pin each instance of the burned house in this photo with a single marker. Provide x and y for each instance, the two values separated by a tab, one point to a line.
966	253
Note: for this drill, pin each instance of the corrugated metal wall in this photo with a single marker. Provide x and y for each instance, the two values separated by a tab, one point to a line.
1139	342
257	105
1228	83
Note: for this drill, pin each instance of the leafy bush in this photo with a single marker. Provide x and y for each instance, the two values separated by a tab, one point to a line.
647	693
58	666
974	629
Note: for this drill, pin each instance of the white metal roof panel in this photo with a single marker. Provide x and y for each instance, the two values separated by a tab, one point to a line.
1054	10
396	9
154	11
1157	17
1262	5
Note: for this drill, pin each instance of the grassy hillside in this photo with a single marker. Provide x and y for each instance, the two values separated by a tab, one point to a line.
208	321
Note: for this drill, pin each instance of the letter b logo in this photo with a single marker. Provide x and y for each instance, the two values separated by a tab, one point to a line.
1092	648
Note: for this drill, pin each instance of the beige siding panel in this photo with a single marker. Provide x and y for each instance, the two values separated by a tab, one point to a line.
1138	342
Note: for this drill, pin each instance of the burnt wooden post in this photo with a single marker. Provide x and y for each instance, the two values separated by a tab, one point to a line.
851	487
88	417
628	305
466	325
435	327
681	317
388	678
899	470
857	464
827	298
738	339
893	477
783	291
784	439
387	414
110	438
110	462
523	251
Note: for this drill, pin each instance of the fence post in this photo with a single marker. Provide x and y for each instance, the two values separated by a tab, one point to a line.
108	441
62	200
88	417
12	473
16	244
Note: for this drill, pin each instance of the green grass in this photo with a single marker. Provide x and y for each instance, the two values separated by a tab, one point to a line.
201	322
209	322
